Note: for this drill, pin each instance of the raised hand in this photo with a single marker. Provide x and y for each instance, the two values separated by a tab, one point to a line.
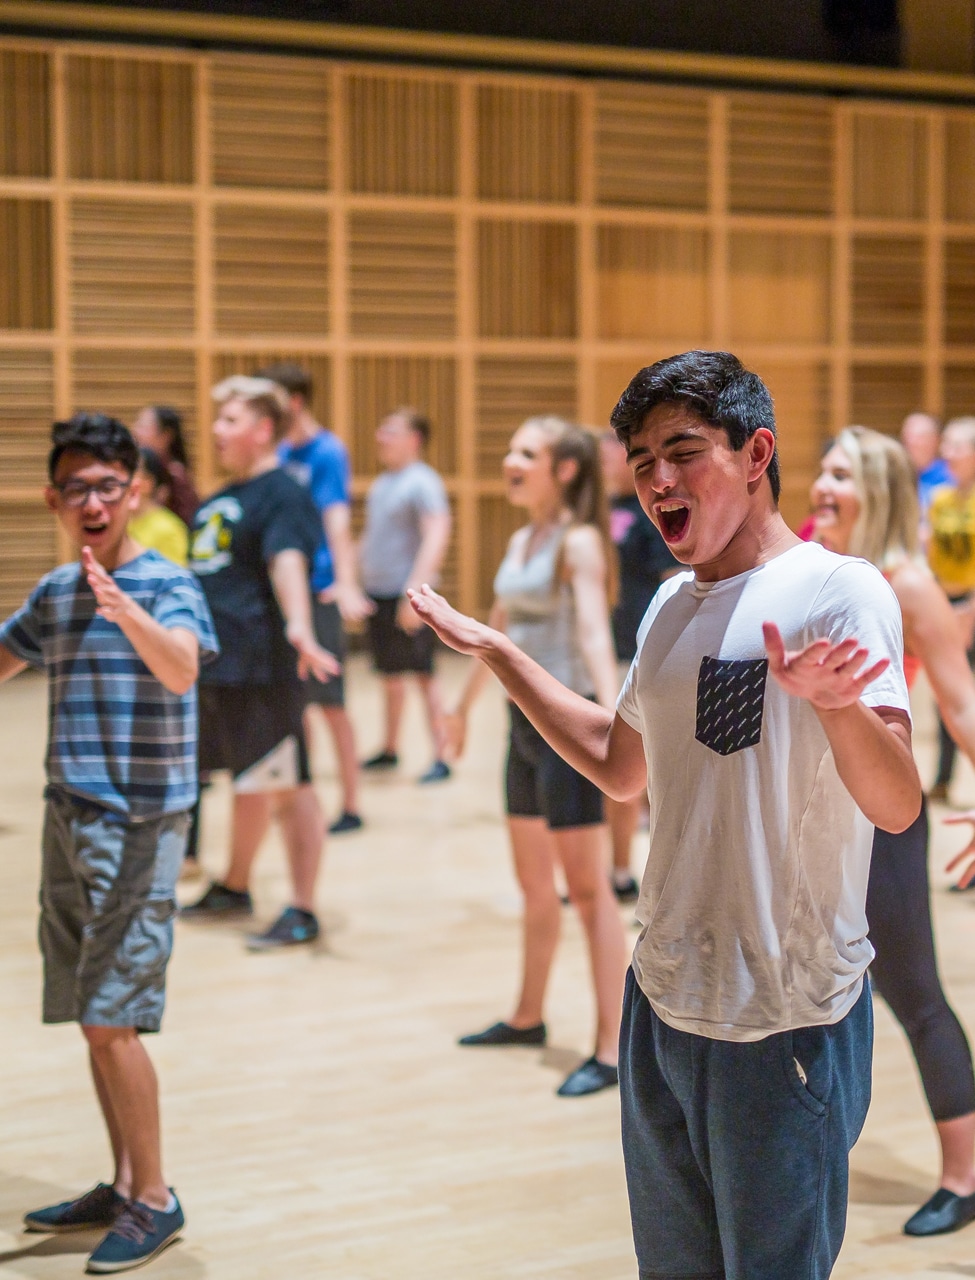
462	633
967	854
828	675
113	603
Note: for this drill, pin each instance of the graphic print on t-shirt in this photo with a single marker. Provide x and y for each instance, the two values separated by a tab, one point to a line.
730	702
213	535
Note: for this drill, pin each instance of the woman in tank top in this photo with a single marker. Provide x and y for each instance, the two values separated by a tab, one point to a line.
552	598
865	504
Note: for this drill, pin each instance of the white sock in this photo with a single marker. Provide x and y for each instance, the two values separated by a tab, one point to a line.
171	1204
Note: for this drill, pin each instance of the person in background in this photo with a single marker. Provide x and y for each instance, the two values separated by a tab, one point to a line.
951	555
921	438
644	562
152	523
404	544
160	428
319	461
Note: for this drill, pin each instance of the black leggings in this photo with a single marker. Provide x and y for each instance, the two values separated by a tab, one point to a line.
905	970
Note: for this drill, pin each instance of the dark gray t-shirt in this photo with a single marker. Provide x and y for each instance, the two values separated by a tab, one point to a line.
395	508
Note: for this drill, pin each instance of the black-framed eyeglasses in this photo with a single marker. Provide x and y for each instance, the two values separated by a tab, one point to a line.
110	490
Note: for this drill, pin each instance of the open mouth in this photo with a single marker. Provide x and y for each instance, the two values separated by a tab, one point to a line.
674	518
93	528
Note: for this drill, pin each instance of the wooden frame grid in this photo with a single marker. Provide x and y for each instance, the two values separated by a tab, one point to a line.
518	242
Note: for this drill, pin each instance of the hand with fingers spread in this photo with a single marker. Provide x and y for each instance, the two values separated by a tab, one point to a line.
462	633
113	602
967	854
313	660
830	676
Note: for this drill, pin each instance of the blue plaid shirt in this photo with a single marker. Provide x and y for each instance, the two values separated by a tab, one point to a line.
115	734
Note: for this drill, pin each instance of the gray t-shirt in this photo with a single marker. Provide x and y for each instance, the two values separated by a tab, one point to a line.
753	900
395	507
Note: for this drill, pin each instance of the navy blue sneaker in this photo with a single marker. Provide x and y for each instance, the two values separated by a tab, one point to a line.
137	1235
292	927
439	771
96	1209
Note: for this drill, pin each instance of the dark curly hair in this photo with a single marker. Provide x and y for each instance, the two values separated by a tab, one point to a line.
96	434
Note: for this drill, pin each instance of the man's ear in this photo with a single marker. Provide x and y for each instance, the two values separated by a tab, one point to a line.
761	450
51	498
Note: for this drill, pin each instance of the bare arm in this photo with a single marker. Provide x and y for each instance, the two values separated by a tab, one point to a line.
586	565
434	538
346	592
591	738
289	580
10	664
871	747
172	654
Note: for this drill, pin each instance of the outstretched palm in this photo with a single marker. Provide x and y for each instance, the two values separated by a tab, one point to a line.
828	675
462	633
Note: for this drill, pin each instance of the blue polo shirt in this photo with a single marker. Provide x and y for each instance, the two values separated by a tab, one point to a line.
321	466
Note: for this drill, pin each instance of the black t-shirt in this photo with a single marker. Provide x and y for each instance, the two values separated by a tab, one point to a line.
235	534
643	558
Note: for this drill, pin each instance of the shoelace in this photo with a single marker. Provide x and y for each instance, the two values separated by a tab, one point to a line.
135	1222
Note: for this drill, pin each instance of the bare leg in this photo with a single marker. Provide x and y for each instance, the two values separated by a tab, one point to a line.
394	688
128	1091
433	701
957	1138
122	1180
622	816
343	736
534	857
303	828
581	852
251	818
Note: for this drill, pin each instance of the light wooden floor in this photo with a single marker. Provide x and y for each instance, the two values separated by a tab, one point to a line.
320	1121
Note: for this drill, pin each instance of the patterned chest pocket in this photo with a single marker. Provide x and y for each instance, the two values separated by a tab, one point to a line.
730	701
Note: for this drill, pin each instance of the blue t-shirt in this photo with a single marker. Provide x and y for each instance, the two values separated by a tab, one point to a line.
934	476
115	734
321	466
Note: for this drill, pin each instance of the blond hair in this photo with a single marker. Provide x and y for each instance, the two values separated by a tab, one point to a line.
963	426
262	396
886	530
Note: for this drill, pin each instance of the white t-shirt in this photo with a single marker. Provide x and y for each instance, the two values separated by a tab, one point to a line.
752	903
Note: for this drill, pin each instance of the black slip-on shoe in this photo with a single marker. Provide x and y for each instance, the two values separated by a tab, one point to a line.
219	901
502	1033
384	760
589	1077
345	822
944	1212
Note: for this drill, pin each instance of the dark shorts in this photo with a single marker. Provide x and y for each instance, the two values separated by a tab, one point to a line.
539	784
330	634
255	731
394	651
108	900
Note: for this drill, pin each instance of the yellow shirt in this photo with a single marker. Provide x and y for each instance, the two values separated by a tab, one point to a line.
951	551
159	530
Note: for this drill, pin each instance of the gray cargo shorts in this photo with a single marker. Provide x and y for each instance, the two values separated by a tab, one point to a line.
108	899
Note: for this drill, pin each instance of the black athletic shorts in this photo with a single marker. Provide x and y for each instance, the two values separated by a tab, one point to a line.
539	783
330	634
395	651
255	731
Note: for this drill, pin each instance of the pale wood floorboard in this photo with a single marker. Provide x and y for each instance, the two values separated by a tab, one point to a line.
320	1121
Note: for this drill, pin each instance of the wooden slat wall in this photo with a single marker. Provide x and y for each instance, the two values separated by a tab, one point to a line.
480	245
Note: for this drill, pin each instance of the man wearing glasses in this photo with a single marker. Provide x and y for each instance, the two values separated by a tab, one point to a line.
121	633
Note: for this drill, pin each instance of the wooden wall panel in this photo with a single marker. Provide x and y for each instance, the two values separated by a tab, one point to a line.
318	367
271	270
401	134
381	384
890	164
612	379
511	389
130	119
959	168
801	395
779	287
527	143
652	147
28	536
270	122
121	382
780	155
959	384
26	284
402	275
526	274
882	395
132	267
25	113
959	291
26	414
888	290
653	282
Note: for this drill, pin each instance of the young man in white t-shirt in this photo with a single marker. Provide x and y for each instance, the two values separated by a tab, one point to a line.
766	712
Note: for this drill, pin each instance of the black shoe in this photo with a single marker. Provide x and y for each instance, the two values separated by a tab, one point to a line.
590	1077
626	890
384	760
962	888
943	1212
220	901
345	822
137	1235
292	928
95	1210
439	771
503	1033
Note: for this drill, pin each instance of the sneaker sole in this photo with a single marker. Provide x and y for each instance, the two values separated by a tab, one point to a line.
258	944
109	1268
